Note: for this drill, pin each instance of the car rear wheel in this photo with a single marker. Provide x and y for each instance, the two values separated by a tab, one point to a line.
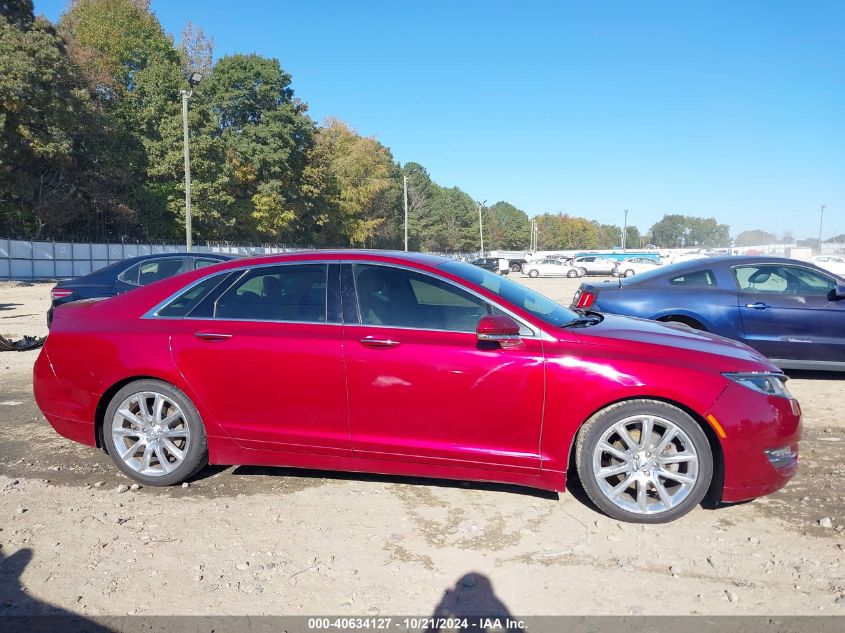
154	433
533	273
644	461
572	273
515	268
583	272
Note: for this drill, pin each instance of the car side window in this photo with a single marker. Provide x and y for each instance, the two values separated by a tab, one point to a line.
202	263
277	293
191	298
791	280
694	278
403	298
152	270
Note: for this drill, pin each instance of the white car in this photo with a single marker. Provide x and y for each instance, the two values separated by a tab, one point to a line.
551	268
635	266
594	264
831	263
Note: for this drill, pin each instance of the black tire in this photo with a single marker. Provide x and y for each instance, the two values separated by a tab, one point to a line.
629	273
583	272
572	273
515	268
689	322
586	448
196	455
533	273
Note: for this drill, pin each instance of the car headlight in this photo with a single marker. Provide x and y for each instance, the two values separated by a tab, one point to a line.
768	383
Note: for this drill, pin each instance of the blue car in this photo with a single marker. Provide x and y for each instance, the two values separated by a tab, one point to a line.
129	274
791	311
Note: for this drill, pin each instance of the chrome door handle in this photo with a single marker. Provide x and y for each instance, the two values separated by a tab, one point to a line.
758	306
371	341
212	336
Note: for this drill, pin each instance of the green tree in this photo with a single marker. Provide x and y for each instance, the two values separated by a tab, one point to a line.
507	227
755	237
361	188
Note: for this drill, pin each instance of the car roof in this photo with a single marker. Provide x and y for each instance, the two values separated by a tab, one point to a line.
424	259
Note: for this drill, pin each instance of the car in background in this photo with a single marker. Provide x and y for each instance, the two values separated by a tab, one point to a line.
129	274
309	359
496	265
594	264
517	264
789	310
831	263
549	267
634	266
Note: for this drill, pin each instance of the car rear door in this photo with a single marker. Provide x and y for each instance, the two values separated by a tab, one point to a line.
264	355
422	388
789	313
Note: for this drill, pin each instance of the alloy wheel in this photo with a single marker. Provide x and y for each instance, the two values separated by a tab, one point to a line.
150	433
645	464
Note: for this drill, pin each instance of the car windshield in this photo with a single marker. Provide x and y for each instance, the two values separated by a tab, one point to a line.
540	306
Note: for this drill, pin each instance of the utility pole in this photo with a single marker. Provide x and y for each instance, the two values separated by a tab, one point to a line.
625	230
186	94
405	180
193	80
821	219
481	226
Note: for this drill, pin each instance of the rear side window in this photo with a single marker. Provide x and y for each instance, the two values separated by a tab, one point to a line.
152	270
277	293
202	263
694	278
191	298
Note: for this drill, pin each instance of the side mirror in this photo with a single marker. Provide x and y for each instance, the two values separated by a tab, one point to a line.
500	329
838	292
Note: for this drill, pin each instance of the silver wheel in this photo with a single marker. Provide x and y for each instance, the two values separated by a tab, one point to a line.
645	464
150	433
629	273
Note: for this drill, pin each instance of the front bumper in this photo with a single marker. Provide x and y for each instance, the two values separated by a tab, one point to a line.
752	424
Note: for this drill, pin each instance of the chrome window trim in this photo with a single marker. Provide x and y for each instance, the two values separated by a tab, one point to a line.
153	312
535	333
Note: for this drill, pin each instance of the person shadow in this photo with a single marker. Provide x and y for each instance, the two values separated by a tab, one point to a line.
21	613
474	600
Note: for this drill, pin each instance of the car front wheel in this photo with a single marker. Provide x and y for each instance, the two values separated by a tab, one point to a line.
533	274
154	433
572	273
644	461
629	273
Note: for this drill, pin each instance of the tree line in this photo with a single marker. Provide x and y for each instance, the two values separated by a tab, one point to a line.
91	149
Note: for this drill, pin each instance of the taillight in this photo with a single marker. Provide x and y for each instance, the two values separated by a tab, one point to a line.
586	299
60	293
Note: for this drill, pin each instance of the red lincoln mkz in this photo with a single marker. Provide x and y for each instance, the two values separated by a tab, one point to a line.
414	365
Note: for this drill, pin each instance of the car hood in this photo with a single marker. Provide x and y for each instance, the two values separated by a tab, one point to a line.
674	338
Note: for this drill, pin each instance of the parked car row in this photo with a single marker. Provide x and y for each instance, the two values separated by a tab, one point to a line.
420	365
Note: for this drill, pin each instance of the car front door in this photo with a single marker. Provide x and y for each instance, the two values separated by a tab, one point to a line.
788	312
264	354
421	386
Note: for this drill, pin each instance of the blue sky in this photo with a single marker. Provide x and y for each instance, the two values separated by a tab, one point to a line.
727	109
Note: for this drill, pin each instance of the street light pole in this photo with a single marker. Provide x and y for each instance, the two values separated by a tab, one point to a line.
821	218
186	94
405	180
481	226
193	80
625	230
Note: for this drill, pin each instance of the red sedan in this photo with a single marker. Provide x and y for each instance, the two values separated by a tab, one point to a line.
414	365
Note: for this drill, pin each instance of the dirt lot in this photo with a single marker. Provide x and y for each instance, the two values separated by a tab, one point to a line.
280	541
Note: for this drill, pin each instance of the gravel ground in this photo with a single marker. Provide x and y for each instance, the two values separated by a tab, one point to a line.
250	540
